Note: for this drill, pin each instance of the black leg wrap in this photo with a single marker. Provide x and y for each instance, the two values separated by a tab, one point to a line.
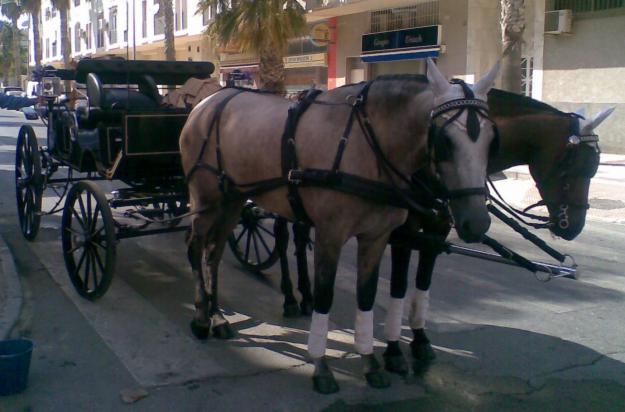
200	330
375	376
306	307
394	360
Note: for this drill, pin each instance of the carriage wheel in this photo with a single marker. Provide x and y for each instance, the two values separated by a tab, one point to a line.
253	241
88	237
28	182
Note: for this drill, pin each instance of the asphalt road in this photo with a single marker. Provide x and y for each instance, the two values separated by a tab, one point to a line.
504	340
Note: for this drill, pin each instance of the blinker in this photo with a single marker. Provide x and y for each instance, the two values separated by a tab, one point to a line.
574	139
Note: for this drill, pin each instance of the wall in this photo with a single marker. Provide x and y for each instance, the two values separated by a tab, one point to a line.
587	69
483	38
453	18
349	41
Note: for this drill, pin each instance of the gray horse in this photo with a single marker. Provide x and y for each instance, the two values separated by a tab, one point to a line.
231	143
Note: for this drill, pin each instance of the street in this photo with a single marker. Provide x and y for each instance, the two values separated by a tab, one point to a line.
504	340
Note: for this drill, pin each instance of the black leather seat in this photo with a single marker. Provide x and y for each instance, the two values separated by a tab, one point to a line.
111	98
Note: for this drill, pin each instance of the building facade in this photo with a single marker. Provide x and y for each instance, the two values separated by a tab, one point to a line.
572	51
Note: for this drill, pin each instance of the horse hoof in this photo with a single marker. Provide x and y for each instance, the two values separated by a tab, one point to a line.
223	331
199	330
396	364
290	310
378	379
325	384
422	351
306	308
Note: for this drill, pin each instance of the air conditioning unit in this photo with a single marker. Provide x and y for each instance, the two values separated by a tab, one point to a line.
558	21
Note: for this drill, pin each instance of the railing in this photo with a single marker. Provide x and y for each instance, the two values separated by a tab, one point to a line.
584	6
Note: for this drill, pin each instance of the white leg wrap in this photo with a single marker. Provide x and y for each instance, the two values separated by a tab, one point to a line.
394	314
419	309
363	336
318	336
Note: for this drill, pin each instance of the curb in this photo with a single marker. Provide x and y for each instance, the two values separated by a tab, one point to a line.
11	307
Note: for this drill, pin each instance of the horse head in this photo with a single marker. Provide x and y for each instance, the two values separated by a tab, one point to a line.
563	175
461	136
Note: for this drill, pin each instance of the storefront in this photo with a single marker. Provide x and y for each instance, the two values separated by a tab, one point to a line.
400	51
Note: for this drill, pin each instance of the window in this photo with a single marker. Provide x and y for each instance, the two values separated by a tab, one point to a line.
89	31
208	15
583	6
47	48
424	14
76	3
159	20
99	35
527	71
181	15
48	14
77	37
54	44
144	19
112	25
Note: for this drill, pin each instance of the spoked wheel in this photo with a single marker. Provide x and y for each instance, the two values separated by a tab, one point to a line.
88	237
253	241
28	182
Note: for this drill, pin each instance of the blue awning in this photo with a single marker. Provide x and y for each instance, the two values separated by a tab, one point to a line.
400	55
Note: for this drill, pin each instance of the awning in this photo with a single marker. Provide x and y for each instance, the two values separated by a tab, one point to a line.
400	55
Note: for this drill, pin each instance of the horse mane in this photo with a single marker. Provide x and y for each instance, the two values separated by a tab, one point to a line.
503	103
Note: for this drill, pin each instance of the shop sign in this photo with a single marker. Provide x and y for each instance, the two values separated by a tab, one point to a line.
305	60
320	34
426	36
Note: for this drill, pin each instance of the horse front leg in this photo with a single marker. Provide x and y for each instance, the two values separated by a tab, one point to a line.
301	234
394	359
422	352
327	251
370	250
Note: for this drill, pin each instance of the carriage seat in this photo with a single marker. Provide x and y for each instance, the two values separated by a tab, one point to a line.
147	97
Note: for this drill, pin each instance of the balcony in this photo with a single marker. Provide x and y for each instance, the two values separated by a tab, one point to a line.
324	9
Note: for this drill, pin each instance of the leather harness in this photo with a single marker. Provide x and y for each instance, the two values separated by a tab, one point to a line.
418	198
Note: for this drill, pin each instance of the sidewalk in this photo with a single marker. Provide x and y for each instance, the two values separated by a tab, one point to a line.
10	291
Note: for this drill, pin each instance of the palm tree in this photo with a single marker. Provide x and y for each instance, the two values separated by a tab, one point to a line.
13	12
168	13
6	53
258	26
512	21
33	7
63	7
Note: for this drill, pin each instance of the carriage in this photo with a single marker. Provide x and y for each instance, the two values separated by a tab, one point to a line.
116	129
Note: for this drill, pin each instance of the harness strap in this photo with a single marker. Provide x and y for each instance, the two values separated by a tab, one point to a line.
289	154
200	164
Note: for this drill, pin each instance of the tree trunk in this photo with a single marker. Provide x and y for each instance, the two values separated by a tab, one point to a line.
65	42
36	37
17	56
168	12
512	27
271	70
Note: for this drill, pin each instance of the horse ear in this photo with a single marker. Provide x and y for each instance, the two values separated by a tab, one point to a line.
482	87
581	111
601	116
439	82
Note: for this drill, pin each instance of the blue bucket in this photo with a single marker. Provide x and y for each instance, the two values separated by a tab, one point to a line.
14	364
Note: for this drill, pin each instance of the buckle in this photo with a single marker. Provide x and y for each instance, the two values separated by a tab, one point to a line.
291	179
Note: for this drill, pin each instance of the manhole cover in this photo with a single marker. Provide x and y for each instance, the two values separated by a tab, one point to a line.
606	204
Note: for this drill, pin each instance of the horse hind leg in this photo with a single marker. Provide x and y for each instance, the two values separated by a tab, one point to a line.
200	325
289	307
220	327
369	254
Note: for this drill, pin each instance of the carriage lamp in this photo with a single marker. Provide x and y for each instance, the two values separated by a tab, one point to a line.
49	87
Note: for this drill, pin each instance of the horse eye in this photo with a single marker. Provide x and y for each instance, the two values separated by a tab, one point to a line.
444	148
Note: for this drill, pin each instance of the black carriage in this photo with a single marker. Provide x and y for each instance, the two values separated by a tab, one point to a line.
113	128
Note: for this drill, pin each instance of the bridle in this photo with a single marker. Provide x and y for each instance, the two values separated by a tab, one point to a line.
475	109
580	159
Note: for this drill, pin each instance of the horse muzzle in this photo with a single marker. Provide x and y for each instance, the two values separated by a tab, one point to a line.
470	217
